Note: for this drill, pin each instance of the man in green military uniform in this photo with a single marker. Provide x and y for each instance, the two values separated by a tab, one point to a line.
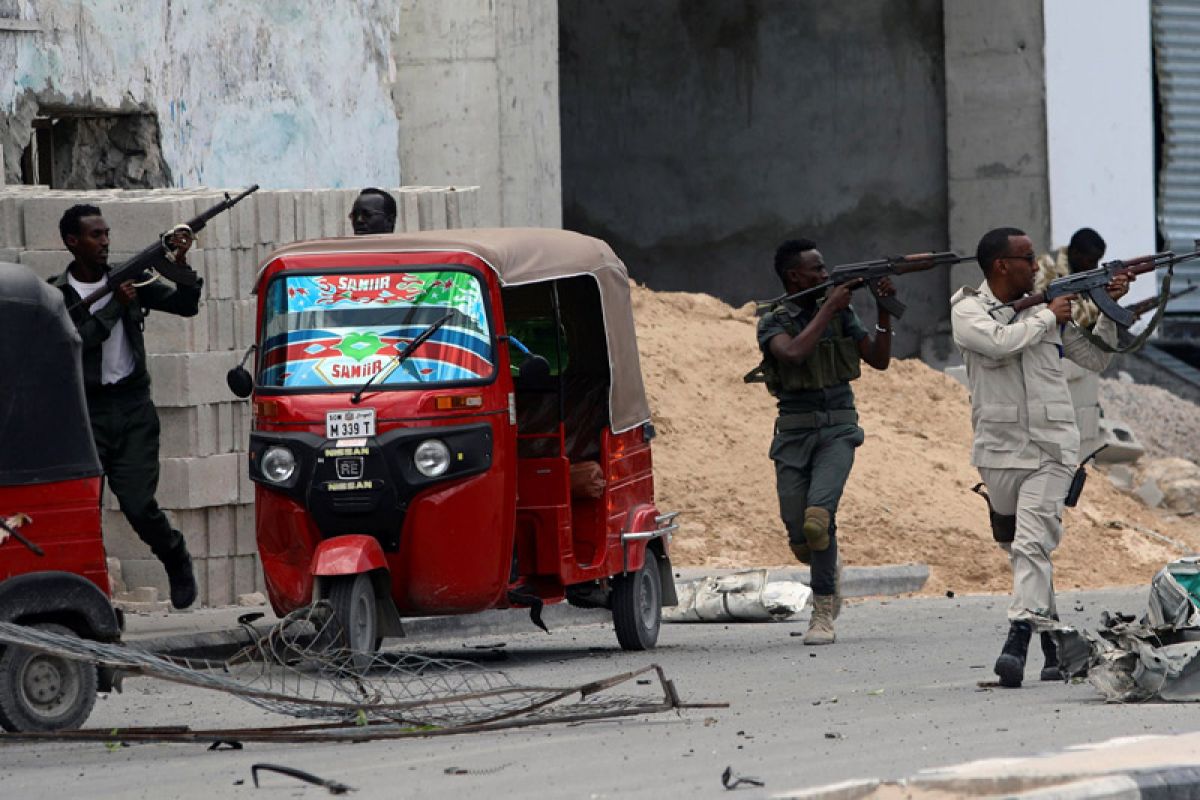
811	352
124	420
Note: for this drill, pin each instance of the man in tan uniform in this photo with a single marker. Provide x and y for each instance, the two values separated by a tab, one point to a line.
1026	442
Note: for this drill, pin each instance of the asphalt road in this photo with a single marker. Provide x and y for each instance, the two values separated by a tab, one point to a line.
899	692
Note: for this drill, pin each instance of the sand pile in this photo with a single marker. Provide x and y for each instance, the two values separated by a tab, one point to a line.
908	499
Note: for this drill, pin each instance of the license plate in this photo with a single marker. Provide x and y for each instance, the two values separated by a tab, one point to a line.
352	422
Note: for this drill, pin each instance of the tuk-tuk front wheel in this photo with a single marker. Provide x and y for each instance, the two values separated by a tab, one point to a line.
355	622
637	606
41	692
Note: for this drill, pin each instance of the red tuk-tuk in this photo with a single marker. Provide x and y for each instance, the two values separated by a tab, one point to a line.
53	573
453	421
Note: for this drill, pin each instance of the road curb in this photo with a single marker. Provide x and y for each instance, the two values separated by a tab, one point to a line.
1173	782
223	643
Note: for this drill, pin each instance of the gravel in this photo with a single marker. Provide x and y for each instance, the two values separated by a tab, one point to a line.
1166	424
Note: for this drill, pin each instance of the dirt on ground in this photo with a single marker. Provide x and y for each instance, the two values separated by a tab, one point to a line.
908	498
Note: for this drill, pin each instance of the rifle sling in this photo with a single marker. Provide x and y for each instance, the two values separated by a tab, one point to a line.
1140	339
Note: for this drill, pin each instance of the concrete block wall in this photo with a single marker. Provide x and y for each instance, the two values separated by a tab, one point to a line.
203	483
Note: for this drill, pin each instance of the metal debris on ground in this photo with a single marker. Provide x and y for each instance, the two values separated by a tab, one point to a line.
1156	657
333	786
731	780
292	670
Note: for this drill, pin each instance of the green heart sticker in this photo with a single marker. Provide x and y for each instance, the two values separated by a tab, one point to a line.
360	345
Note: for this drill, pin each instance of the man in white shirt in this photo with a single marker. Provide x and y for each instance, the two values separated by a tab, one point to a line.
124	421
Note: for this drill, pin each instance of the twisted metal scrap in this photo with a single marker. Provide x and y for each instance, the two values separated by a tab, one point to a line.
297	669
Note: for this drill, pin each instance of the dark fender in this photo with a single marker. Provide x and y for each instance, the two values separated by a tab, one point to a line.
64	597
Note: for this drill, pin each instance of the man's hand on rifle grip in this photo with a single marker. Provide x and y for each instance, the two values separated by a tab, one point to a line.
1119	285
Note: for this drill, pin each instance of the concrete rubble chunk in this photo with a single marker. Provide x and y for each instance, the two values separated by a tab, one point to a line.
1149	493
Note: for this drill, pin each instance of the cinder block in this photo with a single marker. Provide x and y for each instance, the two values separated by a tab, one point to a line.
245	323
11	233
268	202
245	223
313	215
219	588
260	580
145	572
244	579
348	198
168	333
227	439
46	263
193	524
245	485
222	531
200	567
188	431
247	270
199	482
186	379
222	320
247	539
139	222
120	541
431	209
408	208
333	212
220	273
285	217
218	233
40	215
468	206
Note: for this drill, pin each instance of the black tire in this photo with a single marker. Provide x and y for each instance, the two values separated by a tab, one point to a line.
40	692
355	623
637	606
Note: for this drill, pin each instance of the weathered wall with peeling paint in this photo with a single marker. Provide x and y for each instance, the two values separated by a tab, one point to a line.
285	94
697	135
308	93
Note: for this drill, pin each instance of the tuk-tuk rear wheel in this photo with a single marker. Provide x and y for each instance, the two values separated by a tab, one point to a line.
355	623
41	692
637	606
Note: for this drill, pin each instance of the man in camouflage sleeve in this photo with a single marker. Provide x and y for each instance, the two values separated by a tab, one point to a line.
811	352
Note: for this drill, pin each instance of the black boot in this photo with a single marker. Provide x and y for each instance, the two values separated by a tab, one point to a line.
1050	671
1010	666
182	578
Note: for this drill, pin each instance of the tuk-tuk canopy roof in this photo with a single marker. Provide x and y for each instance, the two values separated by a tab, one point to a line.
521	256
45	436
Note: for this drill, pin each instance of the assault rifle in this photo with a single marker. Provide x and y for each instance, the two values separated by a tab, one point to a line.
159	258
1150	303
1092	282
870	273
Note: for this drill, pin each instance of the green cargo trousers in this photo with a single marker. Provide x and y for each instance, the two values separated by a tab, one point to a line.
811	469
125	427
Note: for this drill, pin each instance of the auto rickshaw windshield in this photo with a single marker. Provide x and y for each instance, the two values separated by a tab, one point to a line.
339	328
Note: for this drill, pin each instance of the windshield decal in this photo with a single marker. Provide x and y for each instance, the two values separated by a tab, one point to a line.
342	329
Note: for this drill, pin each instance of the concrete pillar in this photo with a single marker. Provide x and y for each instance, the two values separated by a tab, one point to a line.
476	93
997	170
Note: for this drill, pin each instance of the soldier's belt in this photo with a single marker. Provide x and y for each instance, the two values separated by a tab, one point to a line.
816	419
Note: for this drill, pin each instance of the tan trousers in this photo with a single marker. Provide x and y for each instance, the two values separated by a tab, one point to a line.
1036	497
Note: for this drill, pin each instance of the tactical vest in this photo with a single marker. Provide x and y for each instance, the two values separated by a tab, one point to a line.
835	360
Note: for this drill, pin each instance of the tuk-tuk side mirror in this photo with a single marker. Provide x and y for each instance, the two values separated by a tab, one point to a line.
239	379
534	369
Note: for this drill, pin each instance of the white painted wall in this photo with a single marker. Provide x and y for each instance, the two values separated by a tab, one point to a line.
286	94
1100	125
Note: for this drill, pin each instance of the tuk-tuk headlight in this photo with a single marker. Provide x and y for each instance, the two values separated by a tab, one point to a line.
278	464
432	458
